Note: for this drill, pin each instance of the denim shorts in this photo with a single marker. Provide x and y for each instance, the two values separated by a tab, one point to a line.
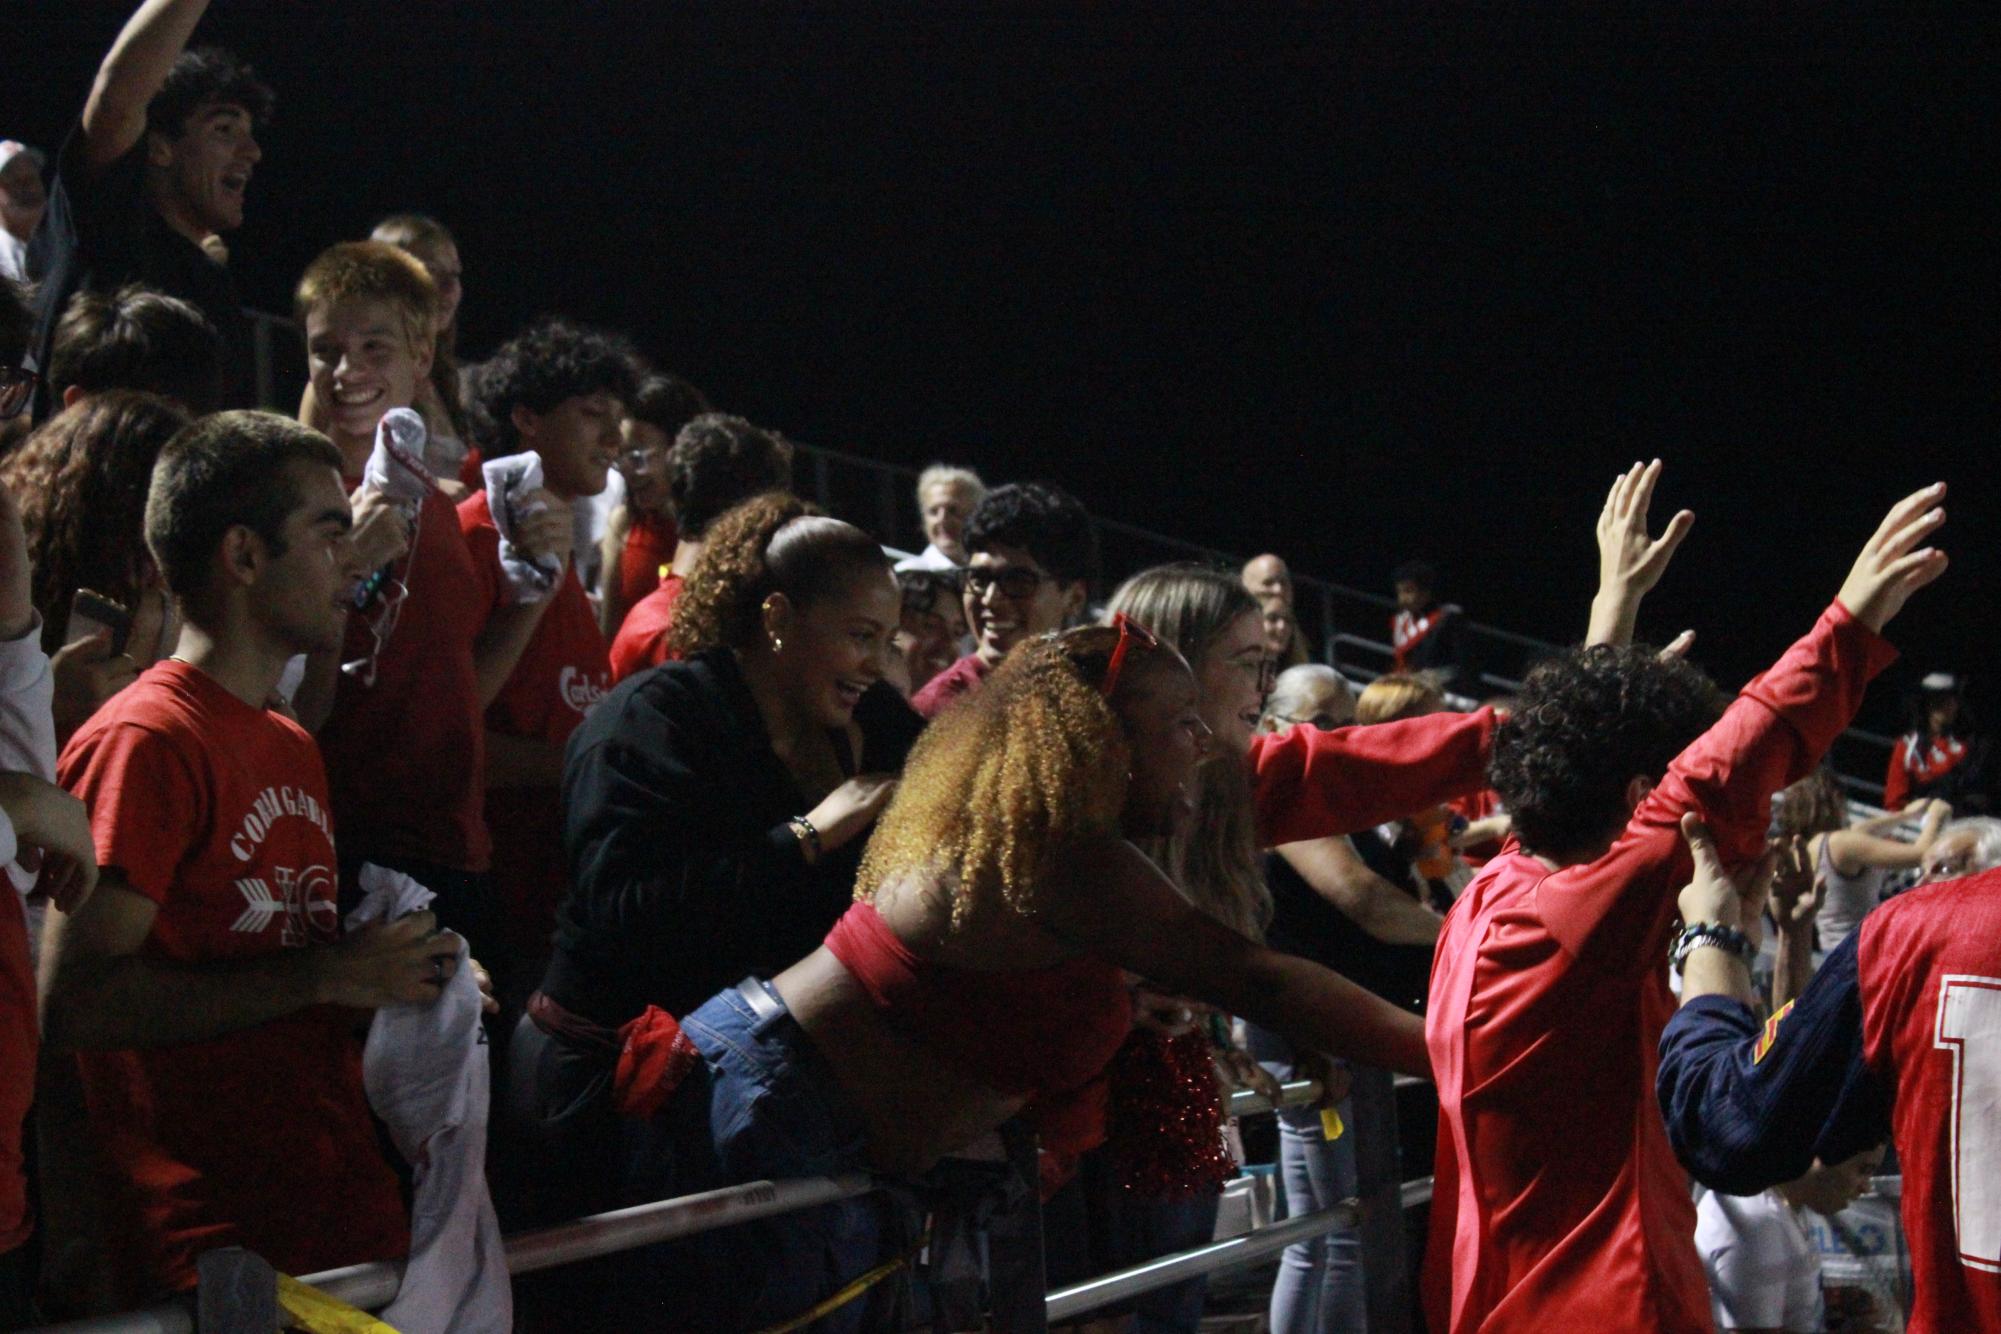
763	1105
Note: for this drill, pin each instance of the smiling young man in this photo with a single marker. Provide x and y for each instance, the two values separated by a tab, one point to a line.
207	985
406	667
159	163
558	390
1032	554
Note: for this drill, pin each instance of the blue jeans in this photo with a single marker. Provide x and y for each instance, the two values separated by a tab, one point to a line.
1319	1286
762	1106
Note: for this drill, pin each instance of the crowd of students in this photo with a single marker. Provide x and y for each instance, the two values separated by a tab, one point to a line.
502	754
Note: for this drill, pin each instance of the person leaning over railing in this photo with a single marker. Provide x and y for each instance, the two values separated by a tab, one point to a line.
714	808
982	973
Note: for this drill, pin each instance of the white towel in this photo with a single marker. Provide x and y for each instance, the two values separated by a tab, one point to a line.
509	479
396	464
425	1069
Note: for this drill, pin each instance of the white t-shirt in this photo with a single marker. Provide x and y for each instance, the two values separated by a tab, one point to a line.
1763	1271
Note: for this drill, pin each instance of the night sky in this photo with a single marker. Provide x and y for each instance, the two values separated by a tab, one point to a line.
1353	286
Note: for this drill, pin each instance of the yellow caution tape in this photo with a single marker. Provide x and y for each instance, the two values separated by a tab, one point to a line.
313	1311
1330	1124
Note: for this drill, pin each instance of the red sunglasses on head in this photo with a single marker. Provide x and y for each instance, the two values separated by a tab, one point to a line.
1130	632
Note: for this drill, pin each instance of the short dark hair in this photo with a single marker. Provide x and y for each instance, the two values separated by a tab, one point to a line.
206	76
666	402
548	363
138	338
718	462
225	470
1046	521
1420	572
1585	724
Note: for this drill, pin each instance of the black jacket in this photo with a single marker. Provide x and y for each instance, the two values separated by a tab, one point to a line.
685	876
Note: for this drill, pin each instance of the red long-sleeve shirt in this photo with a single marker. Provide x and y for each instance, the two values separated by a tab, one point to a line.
1558	1200
1311	784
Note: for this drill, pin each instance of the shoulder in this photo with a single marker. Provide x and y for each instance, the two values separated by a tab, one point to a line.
664	707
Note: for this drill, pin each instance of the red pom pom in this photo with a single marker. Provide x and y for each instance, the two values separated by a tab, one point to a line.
1165	1129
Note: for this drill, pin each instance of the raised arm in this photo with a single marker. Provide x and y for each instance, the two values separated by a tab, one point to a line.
1852	850
1630	562
1309	784
1773	734
1119	905
114	119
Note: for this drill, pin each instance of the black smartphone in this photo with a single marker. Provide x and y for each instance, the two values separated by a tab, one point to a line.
91	612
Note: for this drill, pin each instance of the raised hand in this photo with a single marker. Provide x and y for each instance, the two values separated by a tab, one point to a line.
381	531
1893	565
1717	894
1797	892
546	527
1630	559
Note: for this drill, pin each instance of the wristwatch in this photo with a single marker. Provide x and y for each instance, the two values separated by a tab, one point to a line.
1714	935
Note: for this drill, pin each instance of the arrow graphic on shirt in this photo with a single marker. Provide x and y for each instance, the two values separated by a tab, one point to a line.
264	906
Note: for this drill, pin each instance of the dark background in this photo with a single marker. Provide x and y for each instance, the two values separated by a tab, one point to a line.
1393	281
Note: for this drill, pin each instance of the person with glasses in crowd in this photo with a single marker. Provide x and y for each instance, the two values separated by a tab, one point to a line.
927	640
640	533
717	462
1031	558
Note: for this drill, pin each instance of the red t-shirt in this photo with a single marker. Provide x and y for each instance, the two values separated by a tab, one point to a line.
563	672
643	560
1929	968
1557	1199
218	813
406	756
961	678
642	641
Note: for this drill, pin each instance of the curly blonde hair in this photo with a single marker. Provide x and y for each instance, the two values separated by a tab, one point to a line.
1003	780
773	543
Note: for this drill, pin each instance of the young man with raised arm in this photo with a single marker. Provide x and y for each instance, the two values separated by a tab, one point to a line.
207	986
156	167
1558	1201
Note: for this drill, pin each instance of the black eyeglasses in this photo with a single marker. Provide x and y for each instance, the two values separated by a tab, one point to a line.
1015	582
17	386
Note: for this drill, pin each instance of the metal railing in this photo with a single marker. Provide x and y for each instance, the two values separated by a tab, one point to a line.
373	1286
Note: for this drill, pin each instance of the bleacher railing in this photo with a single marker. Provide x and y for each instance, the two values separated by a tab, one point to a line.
373	1286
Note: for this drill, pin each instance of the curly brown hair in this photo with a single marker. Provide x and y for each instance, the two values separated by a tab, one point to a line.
1005	779
1585	724
81	480
756	550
